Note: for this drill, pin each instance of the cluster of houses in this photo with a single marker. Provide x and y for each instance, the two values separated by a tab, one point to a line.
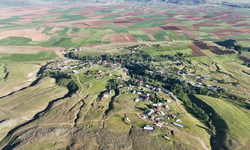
63	65
138	47
159	111
157	115
73	66
72	50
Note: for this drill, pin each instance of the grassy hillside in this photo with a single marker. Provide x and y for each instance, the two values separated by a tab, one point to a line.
236	118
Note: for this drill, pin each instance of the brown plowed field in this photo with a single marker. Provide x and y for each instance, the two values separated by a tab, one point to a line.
219	51
244	59
179	34
104	37
28	33
169	28
196	28
242	39
201	45
125	38
138	19
92	45
241	25
166	37
149	33
191	35
206	24
196	50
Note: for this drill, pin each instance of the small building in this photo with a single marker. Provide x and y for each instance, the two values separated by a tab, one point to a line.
179	125
169	92
162	113
127	119
105	95
160	124
169	100
178	120
133	91
137	100
197	77
152	117
148	127
165	137
166	106
158	108
74	71
159	104
158	118
158	89
150	112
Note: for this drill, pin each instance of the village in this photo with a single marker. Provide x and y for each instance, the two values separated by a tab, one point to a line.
161	112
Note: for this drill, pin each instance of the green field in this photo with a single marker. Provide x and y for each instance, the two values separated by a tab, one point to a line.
40	56
233	116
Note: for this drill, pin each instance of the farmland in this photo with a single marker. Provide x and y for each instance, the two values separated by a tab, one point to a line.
84	26
122	76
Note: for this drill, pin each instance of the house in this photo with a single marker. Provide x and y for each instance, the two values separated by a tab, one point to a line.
167	107
158	118
179	125
105	95
197	77
139	93
150	112
133	91
97	77
162	113
159	104
169	100
169	92
160	124
137	100
152	117
158	89
165	137
158	108
127	119
154	104
148	127
178	120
